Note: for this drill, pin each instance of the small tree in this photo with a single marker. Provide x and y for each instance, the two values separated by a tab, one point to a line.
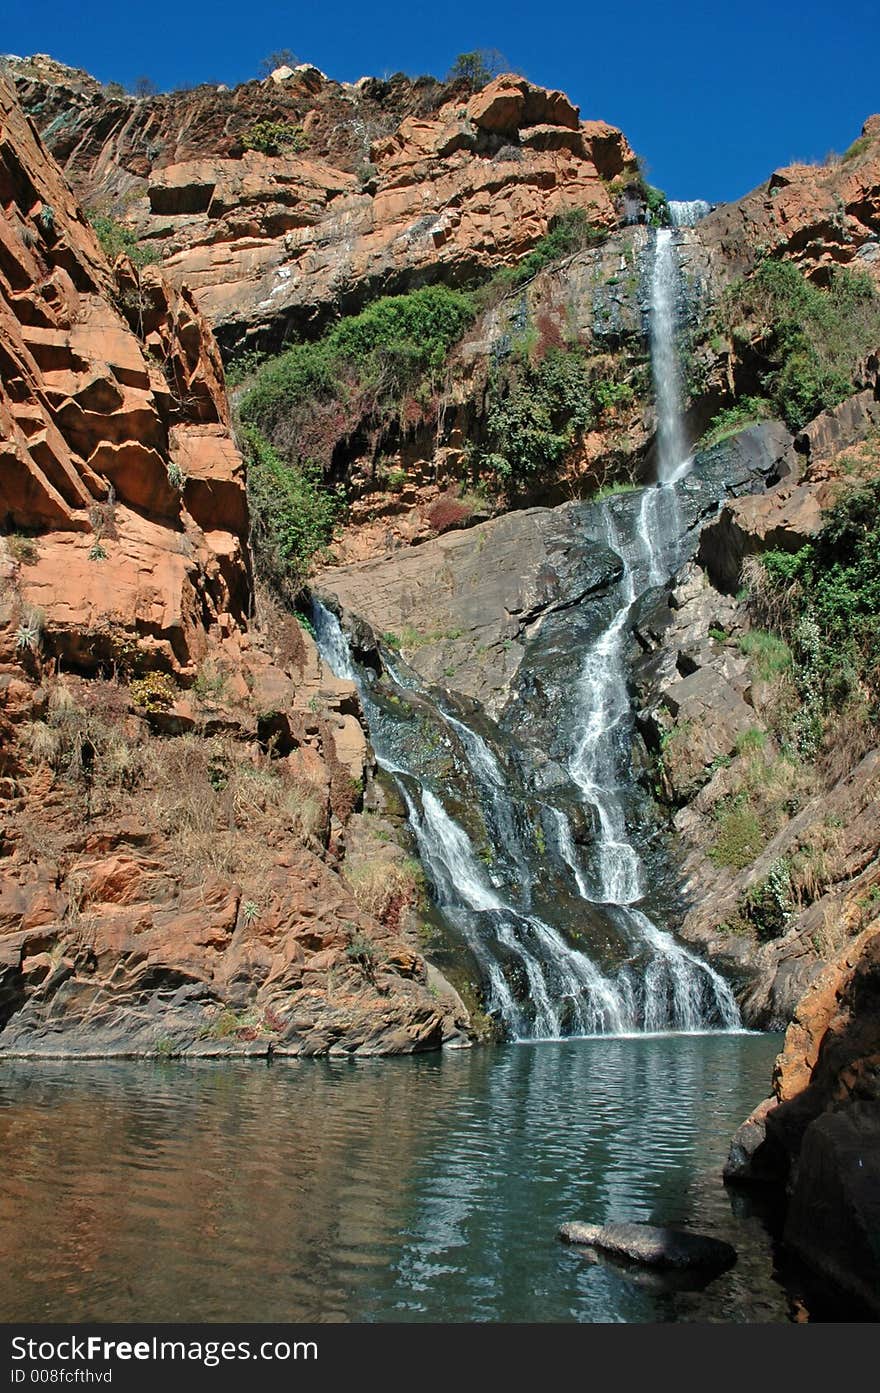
144	87
478	68
281	58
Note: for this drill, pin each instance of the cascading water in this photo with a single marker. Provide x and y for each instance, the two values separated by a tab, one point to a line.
687	212
679	989
568	993
660	985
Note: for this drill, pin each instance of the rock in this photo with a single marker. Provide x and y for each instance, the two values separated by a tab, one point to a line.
153	896
820	217
785	518
459	620
651	1245
833	1217
821	1127
267	242
748	1161
97	420
833	431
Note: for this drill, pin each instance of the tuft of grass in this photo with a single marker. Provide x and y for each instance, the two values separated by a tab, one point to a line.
770	655
733	419
740	839
118	240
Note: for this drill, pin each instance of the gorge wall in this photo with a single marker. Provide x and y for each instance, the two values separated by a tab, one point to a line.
277	207
179	778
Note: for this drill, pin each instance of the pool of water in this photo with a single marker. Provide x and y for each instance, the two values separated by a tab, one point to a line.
416	1189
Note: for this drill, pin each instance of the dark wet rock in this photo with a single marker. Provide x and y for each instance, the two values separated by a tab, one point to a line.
819	1134
833	1219
752	1159
651	1245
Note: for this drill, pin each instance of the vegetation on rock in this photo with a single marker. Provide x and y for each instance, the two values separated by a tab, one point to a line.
808	339
825	599
118	240
292	514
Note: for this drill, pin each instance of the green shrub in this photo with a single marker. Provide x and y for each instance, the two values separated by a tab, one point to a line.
116	239
857	148
534	413
275	138
155	692
770	655
735	418
768	906
834	582
312	395
292	514
571	232
740	836
810	338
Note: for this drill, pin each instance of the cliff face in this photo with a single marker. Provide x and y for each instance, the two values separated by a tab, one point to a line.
353	191
181	865
819	216
114	444
818	1133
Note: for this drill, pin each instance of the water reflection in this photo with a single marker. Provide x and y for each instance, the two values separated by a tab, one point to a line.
412	1189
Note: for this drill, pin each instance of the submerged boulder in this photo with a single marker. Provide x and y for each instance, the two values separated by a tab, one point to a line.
651	1246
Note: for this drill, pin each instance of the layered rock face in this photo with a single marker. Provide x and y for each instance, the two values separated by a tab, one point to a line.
382	192
819	216
177	782
115	444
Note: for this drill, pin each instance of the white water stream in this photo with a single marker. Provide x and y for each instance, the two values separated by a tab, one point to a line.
662	985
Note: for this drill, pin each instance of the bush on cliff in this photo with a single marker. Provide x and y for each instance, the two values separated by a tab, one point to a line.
359	374
825	600
810	338
571	232
292	514
537	410
116	239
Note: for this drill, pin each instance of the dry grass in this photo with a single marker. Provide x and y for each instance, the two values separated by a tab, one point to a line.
847	738
222	806
383	887
224	810
772	606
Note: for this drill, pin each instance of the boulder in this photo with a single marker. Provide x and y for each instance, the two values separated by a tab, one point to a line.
651	1245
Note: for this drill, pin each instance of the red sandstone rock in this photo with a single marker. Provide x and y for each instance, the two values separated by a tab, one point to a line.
819	216
391	181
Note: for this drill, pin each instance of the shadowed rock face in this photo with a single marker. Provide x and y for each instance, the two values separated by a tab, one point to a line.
818	1134
391	184
651	1245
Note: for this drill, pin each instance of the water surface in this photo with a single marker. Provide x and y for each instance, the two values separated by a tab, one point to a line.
426	1188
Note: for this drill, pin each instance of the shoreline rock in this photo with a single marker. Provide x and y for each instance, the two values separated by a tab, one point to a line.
651	1245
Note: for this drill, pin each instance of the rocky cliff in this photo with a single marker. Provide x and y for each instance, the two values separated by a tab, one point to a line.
285	202
183	868
818	1134
819	216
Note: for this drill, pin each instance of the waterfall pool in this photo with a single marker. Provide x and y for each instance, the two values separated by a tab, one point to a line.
427	1188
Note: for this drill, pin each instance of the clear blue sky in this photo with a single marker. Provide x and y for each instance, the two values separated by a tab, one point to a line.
713	96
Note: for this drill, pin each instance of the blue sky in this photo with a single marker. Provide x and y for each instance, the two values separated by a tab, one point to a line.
713	96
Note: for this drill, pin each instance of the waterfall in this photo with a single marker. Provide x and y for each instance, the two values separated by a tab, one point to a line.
567	993
684	213
671	453
537	983
677	987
